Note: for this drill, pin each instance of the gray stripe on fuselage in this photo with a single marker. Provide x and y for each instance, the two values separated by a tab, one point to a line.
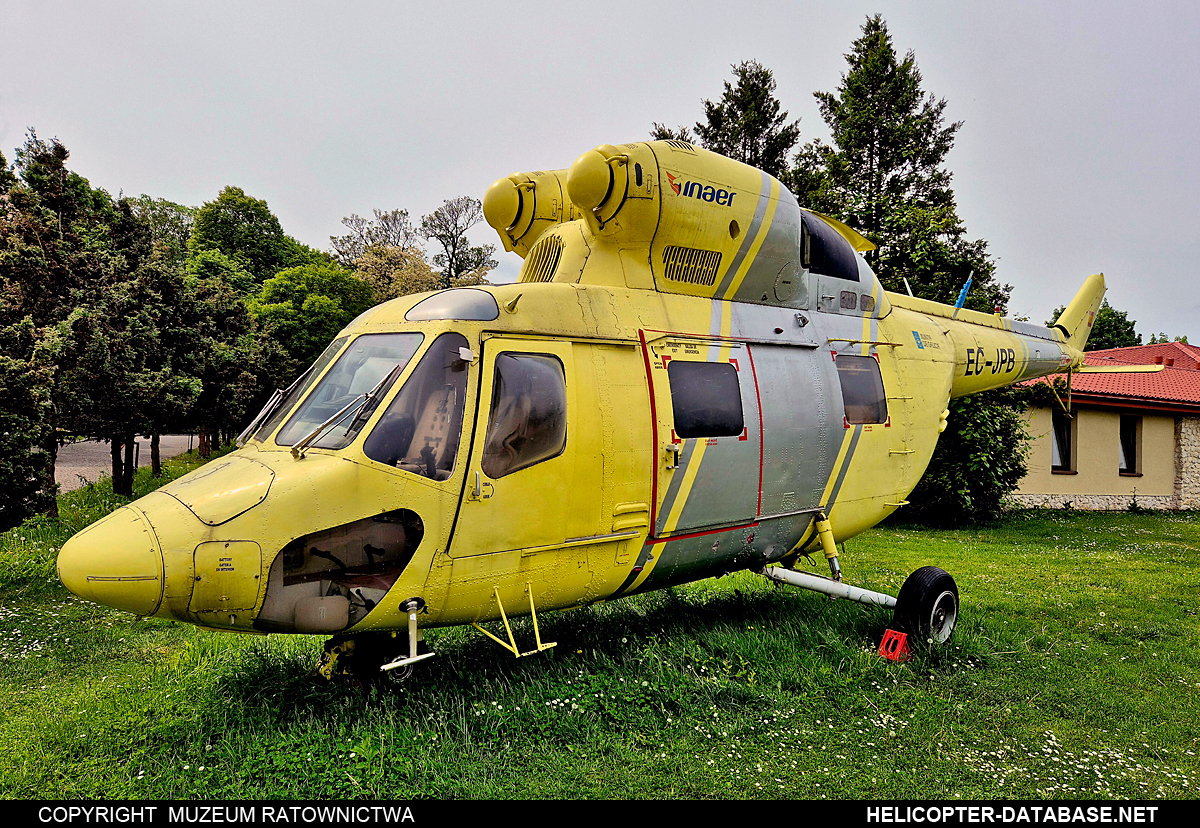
643	558
837	486
760	211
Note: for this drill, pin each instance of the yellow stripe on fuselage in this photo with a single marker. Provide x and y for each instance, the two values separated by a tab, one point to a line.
842	459
866	329
693	467
763	229
685	488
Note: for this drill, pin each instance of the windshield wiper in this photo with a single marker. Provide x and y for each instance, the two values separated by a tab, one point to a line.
373	395
277	397
361	400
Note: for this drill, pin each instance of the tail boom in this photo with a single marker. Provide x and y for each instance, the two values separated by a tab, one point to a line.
991	351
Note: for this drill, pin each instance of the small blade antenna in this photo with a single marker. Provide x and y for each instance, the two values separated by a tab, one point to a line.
962	295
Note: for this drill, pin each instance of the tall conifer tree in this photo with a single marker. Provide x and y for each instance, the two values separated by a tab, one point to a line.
747	124
885	175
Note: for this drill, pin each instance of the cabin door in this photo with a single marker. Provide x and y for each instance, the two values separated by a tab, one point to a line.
802	426
708	473
527	453
558	484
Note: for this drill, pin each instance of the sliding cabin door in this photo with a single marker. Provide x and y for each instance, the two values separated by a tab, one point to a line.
707	474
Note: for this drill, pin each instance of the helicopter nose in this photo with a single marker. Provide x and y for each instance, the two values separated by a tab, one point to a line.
117	562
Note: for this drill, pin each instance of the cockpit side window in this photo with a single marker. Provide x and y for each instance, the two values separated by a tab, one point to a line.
370	359
419	432
529	413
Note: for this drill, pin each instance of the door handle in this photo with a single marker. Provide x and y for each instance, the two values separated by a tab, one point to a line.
480	490
673	456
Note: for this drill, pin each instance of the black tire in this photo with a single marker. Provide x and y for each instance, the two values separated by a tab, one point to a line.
927	607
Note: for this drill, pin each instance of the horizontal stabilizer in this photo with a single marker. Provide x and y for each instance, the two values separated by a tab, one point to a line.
1118	369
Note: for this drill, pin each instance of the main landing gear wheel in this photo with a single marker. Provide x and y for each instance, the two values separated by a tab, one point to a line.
927	607
357	658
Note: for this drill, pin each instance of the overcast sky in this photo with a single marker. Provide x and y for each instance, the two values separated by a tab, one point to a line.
1078	151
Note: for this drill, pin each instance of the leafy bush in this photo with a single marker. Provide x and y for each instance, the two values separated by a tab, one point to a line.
979	460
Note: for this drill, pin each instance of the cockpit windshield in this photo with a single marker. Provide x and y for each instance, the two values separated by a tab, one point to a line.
280	404
369	359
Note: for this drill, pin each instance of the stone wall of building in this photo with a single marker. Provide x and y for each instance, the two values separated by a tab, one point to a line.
1187	463
1101	503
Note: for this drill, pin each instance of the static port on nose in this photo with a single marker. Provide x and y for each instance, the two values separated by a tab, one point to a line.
117	562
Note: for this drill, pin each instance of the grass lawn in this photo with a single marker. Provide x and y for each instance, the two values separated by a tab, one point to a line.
1074	672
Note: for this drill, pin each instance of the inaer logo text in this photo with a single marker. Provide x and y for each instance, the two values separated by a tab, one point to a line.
704	192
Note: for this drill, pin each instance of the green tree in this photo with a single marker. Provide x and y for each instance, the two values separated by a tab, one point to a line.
400	271
1111	329
1163	339
170	224
885	176
26	384
244	229
978	461
121	346
107	320
69	251
213	264
390	229
662	132
448	226
393	271
303	308
41	202
109	366
179	318
235	359
747	124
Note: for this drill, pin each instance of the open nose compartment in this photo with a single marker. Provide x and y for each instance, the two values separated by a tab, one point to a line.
328	581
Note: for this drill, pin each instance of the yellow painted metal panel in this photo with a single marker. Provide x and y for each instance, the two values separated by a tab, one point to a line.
224	489
228	575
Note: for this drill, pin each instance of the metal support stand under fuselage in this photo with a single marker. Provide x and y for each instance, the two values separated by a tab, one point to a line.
511	644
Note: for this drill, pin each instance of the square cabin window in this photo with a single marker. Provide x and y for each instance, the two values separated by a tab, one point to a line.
862	389
706	399
1062	442
528	422
1131	440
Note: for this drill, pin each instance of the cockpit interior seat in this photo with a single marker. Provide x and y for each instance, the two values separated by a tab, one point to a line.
427	451
395	432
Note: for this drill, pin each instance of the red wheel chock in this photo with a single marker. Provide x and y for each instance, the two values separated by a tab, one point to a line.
894	646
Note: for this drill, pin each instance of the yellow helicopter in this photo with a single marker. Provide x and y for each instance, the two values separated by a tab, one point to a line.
692	376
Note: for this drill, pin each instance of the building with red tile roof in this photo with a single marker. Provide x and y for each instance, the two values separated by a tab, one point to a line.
1132	438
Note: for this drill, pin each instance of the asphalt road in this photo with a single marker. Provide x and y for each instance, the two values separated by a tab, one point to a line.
82	463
